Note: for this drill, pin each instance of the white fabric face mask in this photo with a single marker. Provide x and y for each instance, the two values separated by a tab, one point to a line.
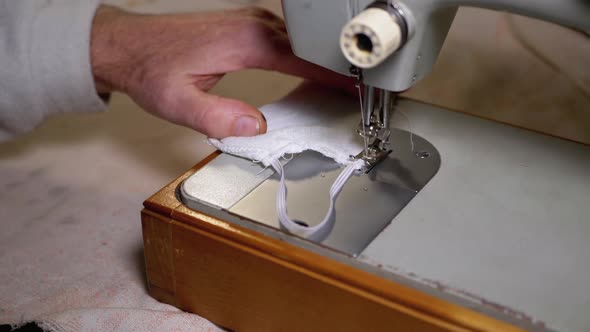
304	120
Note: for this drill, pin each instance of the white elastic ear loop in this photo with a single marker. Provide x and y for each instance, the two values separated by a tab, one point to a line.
320	231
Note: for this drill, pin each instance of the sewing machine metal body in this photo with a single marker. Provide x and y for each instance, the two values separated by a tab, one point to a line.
315	27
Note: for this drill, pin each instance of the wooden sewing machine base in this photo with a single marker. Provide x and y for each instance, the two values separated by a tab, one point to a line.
245	281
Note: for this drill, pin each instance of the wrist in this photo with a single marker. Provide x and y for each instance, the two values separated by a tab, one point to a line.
109	56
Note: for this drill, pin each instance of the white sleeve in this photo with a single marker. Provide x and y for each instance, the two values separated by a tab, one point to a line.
44	62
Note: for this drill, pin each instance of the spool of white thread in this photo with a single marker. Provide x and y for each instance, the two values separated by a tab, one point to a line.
370	37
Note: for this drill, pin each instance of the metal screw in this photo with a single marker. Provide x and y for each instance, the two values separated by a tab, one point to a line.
423	154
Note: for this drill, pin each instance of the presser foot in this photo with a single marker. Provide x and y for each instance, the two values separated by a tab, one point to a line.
373	155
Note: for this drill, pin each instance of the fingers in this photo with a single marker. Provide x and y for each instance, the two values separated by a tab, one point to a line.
199	50
218	117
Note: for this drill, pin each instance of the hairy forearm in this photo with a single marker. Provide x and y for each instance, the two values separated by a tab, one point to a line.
109	54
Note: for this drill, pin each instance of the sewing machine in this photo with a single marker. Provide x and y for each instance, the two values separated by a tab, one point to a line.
393	44
474	226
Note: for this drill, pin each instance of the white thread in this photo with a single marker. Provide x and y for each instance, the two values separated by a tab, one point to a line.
288	159
262	170
410	129
320	231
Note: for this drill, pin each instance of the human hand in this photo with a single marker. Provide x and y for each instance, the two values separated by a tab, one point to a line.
167	63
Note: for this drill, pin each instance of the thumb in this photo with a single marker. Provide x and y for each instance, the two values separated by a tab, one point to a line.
219	117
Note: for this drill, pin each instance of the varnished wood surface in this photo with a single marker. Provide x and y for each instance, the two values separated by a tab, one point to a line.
246	281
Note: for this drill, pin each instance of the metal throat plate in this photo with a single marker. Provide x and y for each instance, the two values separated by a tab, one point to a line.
366	205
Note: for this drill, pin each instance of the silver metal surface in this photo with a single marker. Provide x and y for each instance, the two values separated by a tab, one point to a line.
365	206
224	181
